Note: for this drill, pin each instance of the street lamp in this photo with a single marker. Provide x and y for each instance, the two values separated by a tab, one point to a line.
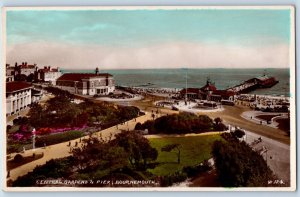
185	85
33	138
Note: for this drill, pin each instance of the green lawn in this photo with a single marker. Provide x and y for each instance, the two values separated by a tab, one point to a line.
194	150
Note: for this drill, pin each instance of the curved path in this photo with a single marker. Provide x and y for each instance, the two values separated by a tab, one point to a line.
252	116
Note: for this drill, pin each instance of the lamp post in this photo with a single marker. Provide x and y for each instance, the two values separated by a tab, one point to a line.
185	85
33	138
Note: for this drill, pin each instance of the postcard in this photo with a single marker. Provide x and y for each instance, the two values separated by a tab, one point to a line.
185	98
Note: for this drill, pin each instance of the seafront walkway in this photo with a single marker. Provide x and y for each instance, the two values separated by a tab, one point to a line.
62	150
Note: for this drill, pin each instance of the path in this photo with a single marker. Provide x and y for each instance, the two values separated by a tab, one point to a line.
63	150
252	116
183	135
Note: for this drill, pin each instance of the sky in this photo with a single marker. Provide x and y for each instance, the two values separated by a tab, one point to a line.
122	39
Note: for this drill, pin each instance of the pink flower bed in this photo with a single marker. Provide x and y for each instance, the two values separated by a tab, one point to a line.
49	130
25	134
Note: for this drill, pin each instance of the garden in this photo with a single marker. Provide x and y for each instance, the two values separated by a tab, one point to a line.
60	120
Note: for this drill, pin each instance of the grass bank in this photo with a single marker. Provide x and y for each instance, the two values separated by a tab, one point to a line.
194	150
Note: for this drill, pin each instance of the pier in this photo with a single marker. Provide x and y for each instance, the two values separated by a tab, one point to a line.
254	83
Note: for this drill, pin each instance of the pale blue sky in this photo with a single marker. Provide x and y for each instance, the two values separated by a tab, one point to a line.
135	38
135	28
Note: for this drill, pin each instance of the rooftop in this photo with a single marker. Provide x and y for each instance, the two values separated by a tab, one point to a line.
16	86
80	76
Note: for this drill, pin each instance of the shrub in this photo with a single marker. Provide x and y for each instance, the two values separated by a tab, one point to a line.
180	123
58	138
239	133
191	171
138	126
18	158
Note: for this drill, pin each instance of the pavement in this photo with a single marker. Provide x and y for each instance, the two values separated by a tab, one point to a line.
276	154
252	116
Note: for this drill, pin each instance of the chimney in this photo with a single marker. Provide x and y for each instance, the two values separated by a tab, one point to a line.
25	63
48	67
97	71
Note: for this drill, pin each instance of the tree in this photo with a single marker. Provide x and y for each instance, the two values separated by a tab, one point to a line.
20	77
239	133
35	114
218	120
138	147
97	155
170	147
237	165
30	77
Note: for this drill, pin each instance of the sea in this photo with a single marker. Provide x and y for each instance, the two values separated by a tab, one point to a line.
196	78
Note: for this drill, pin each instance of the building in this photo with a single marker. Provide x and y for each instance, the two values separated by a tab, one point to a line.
25	69
208	92
10	73
10	70
87	83
48	74
18	96
21	72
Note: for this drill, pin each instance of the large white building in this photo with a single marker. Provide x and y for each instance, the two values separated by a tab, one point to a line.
87	83
18	96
